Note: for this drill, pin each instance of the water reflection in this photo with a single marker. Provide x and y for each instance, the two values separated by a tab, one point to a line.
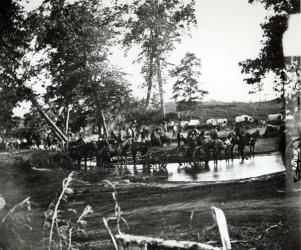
260	165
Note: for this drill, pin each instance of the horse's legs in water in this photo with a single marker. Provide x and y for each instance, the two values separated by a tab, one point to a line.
207	156
227	155
220	154
215	156
241	150
251	152
253	148
231	151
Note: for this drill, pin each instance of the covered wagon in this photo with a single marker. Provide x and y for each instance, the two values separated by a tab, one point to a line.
194	123
275	119
222	121
244	119
211	122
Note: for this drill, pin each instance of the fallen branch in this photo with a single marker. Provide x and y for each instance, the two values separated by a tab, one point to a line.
125	241
268	229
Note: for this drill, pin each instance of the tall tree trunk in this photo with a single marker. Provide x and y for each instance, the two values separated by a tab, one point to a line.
149	79
67	125
101	122
62	136
161	92
105	130
67	119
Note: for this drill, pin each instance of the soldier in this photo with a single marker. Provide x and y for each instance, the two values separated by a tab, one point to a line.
213	133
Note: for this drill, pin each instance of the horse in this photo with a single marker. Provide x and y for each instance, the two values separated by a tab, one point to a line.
242	140
79	150
120	151
228	147
141	147
218	147
187	149
252	141
159	138
144	134
156	138
206	144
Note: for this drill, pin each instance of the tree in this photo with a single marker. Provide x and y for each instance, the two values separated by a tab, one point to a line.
80	35
271	59
15	39
186	91
156	25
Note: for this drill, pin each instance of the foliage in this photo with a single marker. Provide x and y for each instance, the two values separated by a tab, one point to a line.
15	224
270	58
156	26
61	225
117	215
171	116
80	35
14	43
14	70
6	111
186	90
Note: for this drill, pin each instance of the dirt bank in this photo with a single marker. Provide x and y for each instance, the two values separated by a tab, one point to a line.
259	213
164	210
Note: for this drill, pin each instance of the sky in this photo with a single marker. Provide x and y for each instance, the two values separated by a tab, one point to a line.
228	31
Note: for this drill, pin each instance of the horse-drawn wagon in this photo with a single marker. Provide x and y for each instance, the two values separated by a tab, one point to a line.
155	158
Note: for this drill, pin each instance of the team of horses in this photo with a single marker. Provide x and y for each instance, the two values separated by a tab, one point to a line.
197	146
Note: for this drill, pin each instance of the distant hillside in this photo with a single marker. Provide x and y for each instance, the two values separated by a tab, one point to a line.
229	110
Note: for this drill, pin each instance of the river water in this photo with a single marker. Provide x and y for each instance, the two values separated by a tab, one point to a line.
260	165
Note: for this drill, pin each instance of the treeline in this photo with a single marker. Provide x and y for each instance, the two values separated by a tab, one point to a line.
58	56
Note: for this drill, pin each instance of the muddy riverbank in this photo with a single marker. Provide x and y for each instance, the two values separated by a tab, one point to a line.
259	213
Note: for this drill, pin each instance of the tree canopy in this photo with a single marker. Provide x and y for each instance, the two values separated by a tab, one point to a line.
271	58
186	90
15	40
156	26
79	37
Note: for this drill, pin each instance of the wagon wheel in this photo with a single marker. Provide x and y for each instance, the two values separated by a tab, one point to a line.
156	157
292	158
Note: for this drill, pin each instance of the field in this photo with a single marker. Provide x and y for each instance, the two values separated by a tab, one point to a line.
207	110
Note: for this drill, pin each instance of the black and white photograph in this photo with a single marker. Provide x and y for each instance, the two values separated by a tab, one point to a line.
150	125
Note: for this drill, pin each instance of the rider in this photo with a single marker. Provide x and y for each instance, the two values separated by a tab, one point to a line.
213	133
130	134
238	130
81	138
